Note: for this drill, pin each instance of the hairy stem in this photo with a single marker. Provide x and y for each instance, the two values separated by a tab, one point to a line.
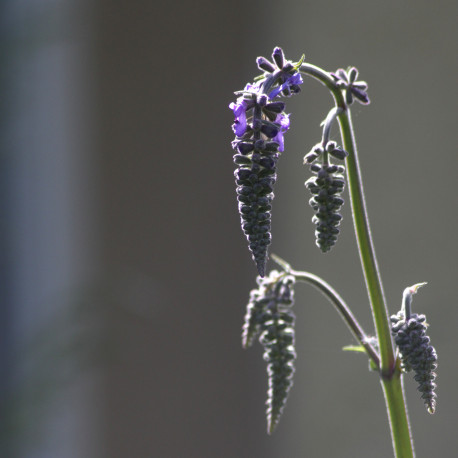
336	300
389	368
366	248
390	373
393	390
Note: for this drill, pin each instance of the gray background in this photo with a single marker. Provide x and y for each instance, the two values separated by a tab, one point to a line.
123	252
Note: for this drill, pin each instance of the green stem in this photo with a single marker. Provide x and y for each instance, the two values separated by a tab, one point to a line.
393	390
389	366
366	247
336	300
389	370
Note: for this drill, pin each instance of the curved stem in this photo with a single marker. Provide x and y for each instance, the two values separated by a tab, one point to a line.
366	248
328	122
326	79
336	300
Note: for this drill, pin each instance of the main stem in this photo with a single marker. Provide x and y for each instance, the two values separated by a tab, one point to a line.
366	248
390	373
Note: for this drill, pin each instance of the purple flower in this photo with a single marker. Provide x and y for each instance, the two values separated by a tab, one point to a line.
283	120
239	108
293	80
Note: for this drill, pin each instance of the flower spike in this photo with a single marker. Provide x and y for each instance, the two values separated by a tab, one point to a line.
269	317
259	126
326	187
415	351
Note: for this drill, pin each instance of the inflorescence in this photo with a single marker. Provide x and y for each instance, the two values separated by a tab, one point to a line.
260	123
415	351
326	186
269	317
346	80
259	127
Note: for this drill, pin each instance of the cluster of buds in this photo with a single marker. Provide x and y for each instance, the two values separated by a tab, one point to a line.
415	351
326	186
347	81
269	317
260	123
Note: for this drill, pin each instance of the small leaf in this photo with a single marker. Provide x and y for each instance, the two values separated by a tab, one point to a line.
357	348
299	63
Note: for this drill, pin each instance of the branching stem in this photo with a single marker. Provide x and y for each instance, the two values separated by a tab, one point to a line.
336	300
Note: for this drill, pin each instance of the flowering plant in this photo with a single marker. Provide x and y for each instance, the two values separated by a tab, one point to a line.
259	127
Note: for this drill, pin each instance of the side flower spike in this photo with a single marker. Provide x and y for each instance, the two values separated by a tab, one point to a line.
326	187
270	317
415	351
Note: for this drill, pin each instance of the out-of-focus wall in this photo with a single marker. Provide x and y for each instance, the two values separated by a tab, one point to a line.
123	233
48	230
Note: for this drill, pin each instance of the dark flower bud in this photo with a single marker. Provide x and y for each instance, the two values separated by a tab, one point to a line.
264	64
240	159
352	74
276	107
286	91
338	153
270	129
262	100
330	146
257	124
245	147
288	67
271	147
310	157
278	57
360	95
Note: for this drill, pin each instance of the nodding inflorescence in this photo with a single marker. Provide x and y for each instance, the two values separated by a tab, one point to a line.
269	317
347	81
415	351
326	187
260	122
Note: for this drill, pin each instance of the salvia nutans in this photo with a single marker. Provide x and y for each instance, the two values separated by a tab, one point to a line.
415	351
270	318
260	122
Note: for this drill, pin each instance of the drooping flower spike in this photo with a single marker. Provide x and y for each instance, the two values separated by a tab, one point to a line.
326	187
354	89
415	351
270	317
260	124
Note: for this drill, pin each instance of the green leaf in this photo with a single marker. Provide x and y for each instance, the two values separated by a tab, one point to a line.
357	348
298	64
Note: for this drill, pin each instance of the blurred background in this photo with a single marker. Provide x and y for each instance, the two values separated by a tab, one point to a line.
124	273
